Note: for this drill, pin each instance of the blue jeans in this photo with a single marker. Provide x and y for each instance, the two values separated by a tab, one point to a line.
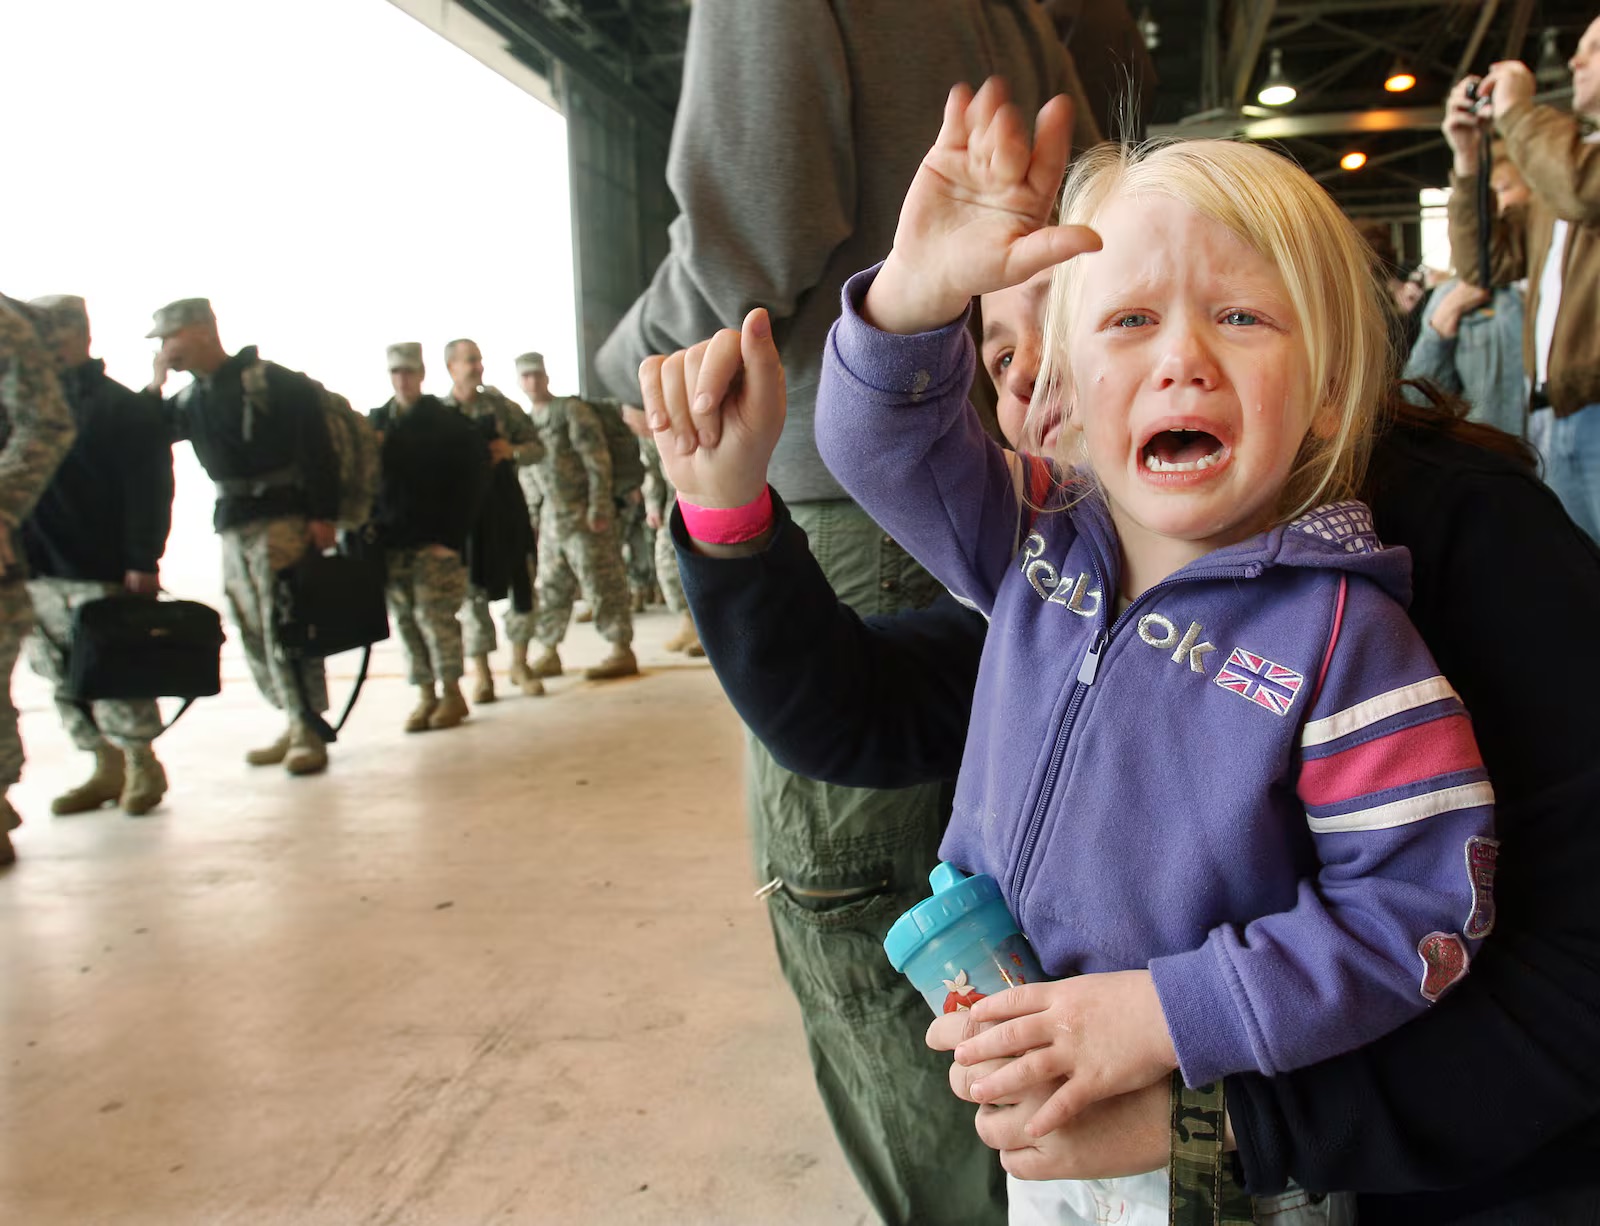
1570	448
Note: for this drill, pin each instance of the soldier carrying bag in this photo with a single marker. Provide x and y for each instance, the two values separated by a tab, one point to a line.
326	604
126	647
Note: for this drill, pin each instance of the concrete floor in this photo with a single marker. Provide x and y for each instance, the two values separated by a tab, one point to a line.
508	973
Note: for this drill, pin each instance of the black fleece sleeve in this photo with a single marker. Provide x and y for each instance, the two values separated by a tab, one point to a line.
1504	1072
879	703
146	452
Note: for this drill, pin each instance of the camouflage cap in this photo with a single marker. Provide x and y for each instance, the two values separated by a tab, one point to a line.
530	363
181	314
58	316
407	355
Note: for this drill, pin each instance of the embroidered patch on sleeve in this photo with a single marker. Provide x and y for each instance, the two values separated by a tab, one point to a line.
1444	963
1482	855
1260	681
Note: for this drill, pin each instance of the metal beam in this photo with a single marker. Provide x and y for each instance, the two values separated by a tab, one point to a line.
1381	159
1485	16
1518	33
1288	127
1246	46
1384	45
1333	8
533	29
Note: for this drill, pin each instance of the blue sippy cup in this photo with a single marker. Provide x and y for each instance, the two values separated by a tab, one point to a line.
962	944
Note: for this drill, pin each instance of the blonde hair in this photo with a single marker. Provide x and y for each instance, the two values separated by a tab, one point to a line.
1284	216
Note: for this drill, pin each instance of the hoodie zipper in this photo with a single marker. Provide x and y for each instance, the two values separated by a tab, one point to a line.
1087	671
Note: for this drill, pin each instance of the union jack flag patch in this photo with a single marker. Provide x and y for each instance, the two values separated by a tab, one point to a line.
1261	681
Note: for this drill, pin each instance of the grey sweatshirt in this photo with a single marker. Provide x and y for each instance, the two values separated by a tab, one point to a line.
800	126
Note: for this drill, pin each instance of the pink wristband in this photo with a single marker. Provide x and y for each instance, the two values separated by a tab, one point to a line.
728	525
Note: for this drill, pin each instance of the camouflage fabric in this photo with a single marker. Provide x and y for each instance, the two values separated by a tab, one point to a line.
575	560
573	479
1203	1189
425	589
16	619
252	555
659	497
511	422
638	546
126	723
477	617
35	432
35	424
181	314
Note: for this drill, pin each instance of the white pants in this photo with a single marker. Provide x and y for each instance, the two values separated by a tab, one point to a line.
1141	1200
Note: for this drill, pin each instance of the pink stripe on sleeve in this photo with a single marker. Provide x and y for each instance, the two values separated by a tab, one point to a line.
1410	755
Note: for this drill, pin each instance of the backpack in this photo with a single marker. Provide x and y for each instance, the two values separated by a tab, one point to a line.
355	445
627	467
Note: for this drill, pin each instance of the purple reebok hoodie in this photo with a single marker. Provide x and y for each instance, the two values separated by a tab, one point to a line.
1253	782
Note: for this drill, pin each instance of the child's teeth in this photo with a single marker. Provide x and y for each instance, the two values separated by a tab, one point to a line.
1157	465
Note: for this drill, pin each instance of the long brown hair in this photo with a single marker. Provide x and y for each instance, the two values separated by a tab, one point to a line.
1447	415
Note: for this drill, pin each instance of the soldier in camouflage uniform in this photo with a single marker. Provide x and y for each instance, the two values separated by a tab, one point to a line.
277	479
99	531
658	499
515	440
35	432
435	473
577	528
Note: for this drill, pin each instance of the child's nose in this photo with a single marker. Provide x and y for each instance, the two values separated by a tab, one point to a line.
1187	361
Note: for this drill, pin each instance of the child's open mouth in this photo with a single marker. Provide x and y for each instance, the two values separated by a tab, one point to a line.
1183	450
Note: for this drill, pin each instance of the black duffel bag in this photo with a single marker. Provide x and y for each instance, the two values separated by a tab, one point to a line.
129	647
326	604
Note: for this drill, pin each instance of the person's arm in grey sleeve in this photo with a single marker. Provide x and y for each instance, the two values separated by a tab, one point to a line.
763	168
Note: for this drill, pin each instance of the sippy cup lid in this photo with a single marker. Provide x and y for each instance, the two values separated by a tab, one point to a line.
955	896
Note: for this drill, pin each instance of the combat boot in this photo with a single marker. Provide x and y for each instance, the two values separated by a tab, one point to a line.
547	665
482	681
427	702
521	675
99	788
452	707
146	784
638	600
686	634
307	755
620	663
270	755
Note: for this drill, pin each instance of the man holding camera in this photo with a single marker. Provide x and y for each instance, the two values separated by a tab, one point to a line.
1554	242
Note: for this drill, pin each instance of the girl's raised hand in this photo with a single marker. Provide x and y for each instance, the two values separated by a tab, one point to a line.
975	218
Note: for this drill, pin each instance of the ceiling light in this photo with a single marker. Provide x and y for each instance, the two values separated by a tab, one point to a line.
1400	78
1353	161
1276	90
1149	30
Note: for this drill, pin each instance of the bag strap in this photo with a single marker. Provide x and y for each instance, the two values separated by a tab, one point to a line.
1200	1188
314	719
